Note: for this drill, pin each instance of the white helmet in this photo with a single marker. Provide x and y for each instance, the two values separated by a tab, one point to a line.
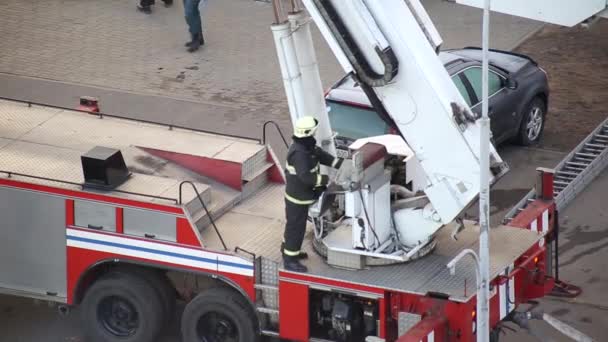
306	126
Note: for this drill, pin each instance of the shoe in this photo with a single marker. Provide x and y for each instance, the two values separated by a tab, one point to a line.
168	3
196	42
292	264
301	256
144	9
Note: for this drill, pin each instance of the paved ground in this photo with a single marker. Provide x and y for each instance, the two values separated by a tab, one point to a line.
576	61
56	50
108	44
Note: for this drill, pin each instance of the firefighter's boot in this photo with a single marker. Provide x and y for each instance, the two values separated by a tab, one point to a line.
301	256
293	264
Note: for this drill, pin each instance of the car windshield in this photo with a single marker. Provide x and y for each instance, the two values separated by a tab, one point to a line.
355	122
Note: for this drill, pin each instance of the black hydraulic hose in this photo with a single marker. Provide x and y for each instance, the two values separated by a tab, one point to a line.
367	217
353	52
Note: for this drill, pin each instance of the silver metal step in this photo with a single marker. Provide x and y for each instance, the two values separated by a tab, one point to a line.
265	287
575	171
269	333
267	310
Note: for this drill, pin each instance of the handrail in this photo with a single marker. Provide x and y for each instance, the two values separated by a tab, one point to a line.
204	207
101	115
83	186
276	125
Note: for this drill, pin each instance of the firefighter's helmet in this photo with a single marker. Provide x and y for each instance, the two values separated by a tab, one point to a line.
306	126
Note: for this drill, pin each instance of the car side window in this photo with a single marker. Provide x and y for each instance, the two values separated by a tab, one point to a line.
473	75
462	88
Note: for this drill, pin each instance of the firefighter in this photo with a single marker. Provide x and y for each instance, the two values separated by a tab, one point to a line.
304	185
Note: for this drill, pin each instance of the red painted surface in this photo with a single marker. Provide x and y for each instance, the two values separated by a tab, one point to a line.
120	227
382	315
69	212
303	277
225	172
185	233
274	174
533	212
547	185
422	330
91	196
80	260
293	317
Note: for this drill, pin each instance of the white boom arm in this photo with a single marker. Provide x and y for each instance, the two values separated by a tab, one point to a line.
560	12
390	47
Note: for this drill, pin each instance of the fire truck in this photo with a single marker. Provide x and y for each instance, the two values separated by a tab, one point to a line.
124	217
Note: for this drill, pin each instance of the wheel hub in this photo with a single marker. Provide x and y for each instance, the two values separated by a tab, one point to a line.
534	124
118	316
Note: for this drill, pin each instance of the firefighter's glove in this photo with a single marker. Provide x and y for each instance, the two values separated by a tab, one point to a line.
337	163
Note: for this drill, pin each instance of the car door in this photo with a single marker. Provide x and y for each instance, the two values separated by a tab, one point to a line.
499	109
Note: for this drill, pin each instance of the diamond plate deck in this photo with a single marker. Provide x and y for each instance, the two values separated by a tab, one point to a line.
257	226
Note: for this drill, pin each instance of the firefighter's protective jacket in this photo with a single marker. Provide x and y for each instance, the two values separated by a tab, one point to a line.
305	183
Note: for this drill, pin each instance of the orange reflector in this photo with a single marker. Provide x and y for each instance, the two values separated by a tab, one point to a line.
536	260
473	313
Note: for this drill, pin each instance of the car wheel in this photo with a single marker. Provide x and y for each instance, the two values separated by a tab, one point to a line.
533	122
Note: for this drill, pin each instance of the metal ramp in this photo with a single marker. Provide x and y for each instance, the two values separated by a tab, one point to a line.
575	171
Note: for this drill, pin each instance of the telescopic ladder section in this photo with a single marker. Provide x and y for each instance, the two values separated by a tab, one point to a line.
575	171
389	46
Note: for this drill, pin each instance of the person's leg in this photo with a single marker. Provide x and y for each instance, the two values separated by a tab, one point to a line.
193	20
295	229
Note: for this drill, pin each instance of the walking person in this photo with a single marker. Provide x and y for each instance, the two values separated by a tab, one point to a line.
192	12
304	185
146	5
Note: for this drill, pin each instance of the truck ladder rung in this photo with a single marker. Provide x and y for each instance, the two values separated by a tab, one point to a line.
587	155
560	182
578	164
596	145
571	174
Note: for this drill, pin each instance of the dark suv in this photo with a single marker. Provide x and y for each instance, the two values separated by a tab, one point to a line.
518	95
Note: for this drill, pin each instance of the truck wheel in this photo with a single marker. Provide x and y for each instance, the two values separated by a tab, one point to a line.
219	314
533	122
122	307
161	284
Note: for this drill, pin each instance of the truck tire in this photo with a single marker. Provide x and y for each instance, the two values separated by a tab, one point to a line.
219	314
161	284
122	307
532	122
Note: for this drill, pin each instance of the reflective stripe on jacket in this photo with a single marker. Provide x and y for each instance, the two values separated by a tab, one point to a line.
302	172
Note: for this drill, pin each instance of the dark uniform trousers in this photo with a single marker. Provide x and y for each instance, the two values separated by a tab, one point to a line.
295	228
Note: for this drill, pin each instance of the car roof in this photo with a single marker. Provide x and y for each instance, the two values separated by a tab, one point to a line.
507	61
348	91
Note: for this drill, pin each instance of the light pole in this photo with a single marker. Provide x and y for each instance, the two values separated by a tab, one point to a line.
483	293
482	260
